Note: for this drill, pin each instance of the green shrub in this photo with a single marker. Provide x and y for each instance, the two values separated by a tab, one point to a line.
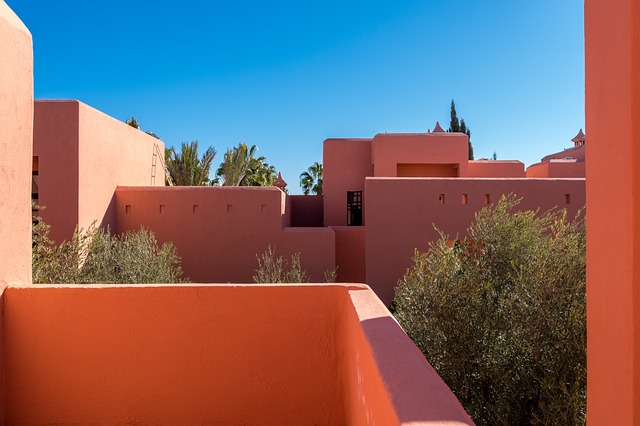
272	269
501	315
95	256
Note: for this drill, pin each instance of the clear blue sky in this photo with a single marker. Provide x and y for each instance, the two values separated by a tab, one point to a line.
285	75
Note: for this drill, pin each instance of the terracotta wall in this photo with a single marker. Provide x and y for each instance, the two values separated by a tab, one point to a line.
496	169
56	143
379	354
214	354
83	155
613	239
557	169
350	253
346	163
112	153
16	135
390	149
306	210
218	231
401	214
577	152
174	355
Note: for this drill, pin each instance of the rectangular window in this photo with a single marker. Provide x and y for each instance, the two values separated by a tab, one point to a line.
228	208
441	198
195	208
487	199
567	198
161	208
127	209
263	208
464	198
354	208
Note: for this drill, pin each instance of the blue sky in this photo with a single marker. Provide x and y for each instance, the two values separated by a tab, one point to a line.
285	75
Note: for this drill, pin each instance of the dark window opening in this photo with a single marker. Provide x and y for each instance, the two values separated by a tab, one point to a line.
354	208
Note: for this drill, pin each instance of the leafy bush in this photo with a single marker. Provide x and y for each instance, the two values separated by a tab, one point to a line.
95	256
501	315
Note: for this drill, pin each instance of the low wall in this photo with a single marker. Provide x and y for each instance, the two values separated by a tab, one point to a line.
214	354
402	213
496	169
219	231
557	169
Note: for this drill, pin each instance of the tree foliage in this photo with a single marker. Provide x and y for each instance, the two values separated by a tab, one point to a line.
95	256
186	168
311	179
133	122
460	126
241	167
501	315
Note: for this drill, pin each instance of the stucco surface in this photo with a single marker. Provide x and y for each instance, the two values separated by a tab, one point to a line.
402	213
612	56
215	354
84	155
219	231
496	169
16	135
390	149
346	163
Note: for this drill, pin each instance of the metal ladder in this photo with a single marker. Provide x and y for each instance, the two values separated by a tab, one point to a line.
159	156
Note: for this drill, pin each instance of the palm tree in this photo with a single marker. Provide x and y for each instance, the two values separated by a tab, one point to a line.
311	180
133	122
186	168
241	168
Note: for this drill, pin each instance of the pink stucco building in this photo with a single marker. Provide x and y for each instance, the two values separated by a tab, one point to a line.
143	354
383	197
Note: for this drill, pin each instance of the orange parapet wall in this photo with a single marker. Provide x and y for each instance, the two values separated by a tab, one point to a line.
439	154
83	155
402	213
612	49
219	231
16	135
228	354
496	169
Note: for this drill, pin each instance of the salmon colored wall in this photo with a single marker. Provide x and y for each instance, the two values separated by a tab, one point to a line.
612	59
346	163
496	169
55	143
112	153
576	152
557	169
427	170
214	354
83	155
306	210
174	355
390	149
401	213
218	231
350	253
16	135
399	364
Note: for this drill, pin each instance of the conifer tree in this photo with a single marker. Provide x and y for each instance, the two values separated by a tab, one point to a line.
460	126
